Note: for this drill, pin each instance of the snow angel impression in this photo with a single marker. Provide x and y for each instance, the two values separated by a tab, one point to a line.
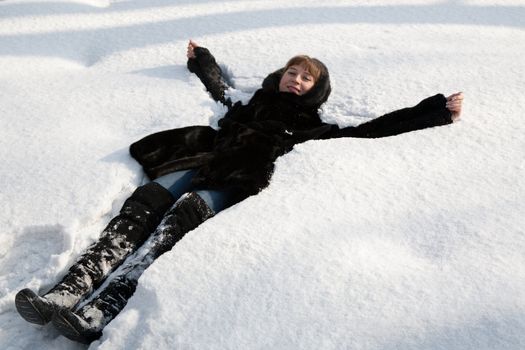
196	172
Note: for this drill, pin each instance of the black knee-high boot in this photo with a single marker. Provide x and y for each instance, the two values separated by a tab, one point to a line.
86	324
139	216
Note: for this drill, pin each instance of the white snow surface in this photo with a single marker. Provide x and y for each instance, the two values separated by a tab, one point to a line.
409	242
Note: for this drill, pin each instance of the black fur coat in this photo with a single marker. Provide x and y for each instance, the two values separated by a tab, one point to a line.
241	154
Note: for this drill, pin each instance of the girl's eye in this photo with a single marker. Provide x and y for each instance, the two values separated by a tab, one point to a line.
291	73
307	78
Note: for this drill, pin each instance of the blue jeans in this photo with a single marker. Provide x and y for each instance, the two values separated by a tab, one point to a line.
179	183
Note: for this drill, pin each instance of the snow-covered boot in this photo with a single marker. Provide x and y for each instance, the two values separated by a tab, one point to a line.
140	215
86	324
74	327
33	308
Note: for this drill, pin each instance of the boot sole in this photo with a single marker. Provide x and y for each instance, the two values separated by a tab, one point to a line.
68	326
27	306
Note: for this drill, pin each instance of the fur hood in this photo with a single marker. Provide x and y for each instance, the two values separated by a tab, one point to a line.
313	98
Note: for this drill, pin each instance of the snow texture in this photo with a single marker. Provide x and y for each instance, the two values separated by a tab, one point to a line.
410	242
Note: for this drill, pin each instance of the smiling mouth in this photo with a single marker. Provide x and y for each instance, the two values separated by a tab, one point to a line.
294	90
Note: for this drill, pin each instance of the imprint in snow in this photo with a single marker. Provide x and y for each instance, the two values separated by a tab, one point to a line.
30	255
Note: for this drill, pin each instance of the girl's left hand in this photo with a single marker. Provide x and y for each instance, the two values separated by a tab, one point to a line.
454	104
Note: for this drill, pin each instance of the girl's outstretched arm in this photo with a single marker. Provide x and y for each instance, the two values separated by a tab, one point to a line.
432	111
203	64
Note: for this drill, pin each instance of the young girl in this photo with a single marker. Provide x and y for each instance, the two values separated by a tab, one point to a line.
198	171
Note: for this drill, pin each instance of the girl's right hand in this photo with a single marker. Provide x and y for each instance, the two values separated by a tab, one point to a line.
191	46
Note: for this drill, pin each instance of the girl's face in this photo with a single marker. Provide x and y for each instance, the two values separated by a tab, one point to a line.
296	80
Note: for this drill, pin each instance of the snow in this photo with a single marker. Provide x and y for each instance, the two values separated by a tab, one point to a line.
408	242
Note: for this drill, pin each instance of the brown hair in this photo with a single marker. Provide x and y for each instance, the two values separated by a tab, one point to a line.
312	65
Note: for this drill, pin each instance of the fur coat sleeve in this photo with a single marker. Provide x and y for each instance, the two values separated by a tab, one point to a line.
428	113
210	74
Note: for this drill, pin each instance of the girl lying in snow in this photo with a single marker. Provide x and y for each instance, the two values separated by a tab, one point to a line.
196	172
